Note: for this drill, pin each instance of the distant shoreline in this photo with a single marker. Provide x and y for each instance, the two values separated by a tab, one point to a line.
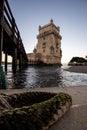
77	69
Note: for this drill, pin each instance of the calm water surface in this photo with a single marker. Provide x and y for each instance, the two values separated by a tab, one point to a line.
44	76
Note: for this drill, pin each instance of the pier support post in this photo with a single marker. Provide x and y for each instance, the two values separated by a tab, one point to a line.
1	28
1	43
14	61
20	61
6	62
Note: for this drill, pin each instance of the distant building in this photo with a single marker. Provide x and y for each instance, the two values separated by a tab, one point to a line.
48	48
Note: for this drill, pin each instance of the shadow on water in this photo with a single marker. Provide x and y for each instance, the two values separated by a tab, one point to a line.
36	76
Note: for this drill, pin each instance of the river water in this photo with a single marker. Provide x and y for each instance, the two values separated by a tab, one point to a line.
44	76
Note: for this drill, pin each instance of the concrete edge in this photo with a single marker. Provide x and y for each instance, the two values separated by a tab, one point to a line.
57	116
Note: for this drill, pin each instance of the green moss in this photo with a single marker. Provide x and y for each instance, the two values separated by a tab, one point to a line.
28	98
33	114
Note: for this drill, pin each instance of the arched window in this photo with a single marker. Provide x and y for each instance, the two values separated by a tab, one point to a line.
51	50
44	45
57	45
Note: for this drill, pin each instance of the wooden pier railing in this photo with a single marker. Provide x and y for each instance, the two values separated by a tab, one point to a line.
10	39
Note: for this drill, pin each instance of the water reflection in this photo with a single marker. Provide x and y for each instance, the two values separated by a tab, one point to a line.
44	76
36	77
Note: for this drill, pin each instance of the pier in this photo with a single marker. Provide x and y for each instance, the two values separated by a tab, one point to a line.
10	40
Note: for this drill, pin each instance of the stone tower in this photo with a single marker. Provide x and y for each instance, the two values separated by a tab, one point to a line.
48	48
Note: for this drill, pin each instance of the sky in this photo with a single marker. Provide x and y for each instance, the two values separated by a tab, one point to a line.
70	15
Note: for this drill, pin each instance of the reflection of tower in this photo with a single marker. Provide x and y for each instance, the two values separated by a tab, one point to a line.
49	43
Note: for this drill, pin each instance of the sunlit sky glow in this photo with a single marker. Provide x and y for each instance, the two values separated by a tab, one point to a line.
70	15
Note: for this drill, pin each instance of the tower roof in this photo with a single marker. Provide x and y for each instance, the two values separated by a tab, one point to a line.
49	24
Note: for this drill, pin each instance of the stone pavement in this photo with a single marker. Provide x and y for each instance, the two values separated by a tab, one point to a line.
76	118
